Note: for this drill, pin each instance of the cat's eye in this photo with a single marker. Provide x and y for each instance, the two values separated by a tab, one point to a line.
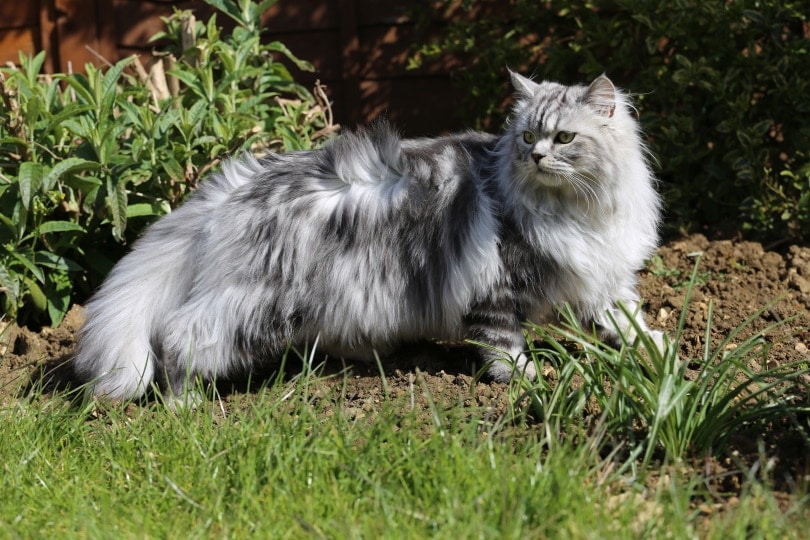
564	137
529	137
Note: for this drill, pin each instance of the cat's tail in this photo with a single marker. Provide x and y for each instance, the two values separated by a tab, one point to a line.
119	346
116	353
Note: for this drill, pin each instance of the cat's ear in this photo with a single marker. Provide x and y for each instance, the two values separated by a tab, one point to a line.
524	86
601	96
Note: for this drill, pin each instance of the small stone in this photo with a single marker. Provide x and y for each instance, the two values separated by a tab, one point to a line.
798	282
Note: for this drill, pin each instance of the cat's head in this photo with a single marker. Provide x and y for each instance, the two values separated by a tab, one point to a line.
569	138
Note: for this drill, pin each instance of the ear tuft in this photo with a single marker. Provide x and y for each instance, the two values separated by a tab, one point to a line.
524	86
601	96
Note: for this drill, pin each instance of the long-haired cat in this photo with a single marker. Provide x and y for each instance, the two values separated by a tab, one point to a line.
375	240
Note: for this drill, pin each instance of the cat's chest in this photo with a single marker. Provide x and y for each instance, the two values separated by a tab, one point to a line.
560	262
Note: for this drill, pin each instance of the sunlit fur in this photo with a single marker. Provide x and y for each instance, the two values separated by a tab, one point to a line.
375	240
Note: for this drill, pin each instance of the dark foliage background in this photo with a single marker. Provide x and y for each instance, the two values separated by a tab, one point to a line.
721	88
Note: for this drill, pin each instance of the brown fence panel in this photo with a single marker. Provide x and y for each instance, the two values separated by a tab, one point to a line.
360	49
19	30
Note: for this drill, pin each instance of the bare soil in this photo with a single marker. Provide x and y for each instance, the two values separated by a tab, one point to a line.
737	279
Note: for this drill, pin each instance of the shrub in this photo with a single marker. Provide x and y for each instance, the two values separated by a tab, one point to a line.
87	160
722	90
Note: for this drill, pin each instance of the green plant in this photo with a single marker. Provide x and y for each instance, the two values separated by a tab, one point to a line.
722	87
88	159
644	401
293	458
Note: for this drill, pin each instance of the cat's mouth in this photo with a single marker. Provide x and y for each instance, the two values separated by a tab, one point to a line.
550	179
549	176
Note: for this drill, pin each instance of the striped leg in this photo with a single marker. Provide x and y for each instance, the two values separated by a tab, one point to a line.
495	323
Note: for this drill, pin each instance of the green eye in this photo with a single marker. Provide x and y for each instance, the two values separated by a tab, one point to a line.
564	137
529	137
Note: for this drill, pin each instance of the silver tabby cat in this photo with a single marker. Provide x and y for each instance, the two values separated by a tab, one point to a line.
375	240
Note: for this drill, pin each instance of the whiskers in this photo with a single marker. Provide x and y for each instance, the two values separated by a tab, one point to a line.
583	188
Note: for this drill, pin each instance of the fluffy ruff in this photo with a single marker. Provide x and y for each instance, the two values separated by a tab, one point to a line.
375	240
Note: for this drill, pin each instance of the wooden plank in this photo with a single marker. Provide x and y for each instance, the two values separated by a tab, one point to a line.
417	106
47	35
18	14
390	12
16	40
350	60
137	21
77	34
106	34
386	51
301	16
322	48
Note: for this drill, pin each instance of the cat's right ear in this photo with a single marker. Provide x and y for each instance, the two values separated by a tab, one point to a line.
524	87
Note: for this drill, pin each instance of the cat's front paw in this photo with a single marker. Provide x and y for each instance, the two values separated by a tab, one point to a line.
660	339
185	400
503	370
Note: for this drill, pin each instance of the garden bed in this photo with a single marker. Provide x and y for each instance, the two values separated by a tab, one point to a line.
736	279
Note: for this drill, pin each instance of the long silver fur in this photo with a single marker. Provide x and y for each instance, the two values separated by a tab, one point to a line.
375	240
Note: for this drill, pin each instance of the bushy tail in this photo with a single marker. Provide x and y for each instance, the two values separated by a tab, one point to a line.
119	343
115	350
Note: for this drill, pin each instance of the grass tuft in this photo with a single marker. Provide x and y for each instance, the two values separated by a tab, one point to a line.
654	403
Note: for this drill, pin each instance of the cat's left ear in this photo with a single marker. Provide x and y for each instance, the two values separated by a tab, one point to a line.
601	96
524	86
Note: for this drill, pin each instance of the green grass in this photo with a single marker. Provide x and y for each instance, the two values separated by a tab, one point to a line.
608	444
290	462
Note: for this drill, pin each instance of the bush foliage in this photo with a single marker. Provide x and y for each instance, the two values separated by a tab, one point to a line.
88	159
722	89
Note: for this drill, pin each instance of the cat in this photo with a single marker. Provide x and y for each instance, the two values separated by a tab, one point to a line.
375	240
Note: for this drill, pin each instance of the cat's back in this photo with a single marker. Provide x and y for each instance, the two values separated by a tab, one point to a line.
373	163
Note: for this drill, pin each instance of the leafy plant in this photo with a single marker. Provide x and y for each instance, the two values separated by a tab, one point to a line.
645	402
88	159
722	90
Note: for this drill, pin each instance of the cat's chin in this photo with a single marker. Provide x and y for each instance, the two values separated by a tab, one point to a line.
550	180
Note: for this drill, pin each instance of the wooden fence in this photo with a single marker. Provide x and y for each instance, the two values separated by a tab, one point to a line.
359	48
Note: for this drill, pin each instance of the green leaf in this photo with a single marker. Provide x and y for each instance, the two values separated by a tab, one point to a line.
148	209
80	85
265	5
38	298
28	264
14	140
85	184
71	164
30	180
58	291
48	259
10	283
229	8
174	169
109	85
117	203
35	65
279	47
59	226
191	80
9	223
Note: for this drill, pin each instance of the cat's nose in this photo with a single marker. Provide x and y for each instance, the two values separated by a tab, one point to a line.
537	157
